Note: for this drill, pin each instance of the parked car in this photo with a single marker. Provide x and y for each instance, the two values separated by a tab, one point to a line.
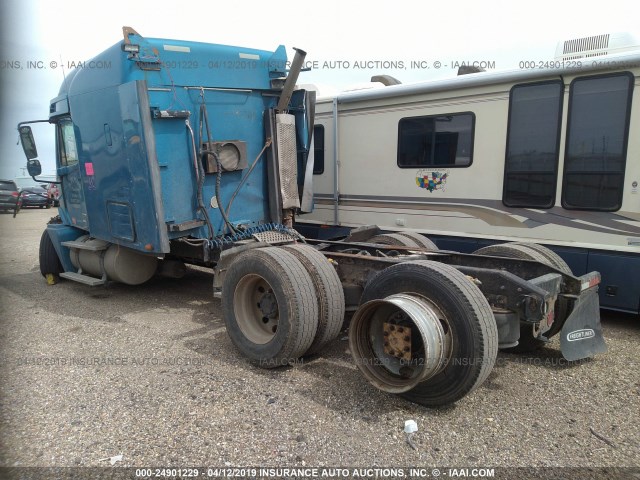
9	197
54	193
35	197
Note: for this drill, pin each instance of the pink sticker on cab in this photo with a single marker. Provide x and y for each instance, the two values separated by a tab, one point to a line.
88	167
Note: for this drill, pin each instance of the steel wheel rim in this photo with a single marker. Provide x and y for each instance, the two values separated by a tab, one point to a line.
388	373
256	308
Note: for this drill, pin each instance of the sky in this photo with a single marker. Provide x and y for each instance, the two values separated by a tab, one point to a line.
342	40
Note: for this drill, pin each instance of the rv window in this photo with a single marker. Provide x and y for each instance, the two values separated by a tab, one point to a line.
597	132
436	141
318	149
533	139
67	143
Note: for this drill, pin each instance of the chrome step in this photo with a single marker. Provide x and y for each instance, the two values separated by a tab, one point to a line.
86	279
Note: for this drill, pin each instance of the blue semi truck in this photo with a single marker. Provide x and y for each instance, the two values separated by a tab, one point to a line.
177	153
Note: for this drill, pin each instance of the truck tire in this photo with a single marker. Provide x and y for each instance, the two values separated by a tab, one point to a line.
468	319
421	240
269	306
49	261
393	239
553	259
527	342
330	296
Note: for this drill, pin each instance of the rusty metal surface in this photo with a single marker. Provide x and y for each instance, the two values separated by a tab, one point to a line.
397	341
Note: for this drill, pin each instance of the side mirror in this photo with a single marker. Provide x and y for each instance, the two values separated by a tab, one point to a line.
33	167
28	144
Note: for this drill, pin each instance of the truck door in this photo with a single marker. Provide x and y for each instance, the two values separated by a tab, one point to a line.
69	173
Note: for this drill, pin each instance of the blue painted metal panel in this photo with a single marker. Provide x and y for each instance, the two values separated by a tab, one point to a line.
239	117
74	201
576	258
177	172
232	116
120	216
620	286
120	169
192	63
63	233
117	137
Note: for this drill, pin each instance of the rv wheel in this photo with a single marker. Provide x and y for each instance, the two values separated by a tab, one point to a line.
330	296
528	341
393	239
421	240
425	331
553	259
269	306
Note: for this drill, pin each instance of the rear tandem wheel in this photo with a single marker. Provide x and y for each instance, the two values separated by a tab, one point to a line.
330	295
269	306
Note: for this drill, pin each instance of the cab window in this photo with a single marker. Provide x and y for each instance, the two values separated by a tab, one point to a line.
67	146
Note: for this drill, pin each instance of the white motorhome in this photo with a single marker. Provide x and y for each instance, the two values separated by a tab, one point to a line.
549	153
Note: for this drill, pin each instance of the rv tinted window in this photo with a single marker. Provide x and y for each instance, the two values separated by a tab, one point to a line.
597	132
318	149
531	164
436	141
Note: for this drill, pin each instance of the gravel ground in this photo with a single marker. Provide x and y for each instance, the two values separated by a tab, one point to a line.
149	372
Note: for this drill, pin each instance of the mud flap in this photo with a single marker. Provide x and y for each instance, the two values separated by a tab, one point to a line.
581	335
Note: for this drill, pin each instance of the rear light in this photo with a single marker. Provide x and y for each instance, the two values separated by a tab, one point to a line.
14	194
589	280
